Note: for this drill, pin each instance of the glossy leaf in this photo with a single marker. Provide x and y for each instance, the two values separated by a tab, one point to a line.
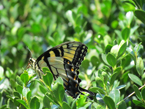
46	102
122	48
139	103
140	15
43	89
125	33
59	80
113	77
108	48
143	93
96	89
114	50
48	77
29	95
34	104
58	91
111	60
99	81
11	104
139	66
122	105
137	92
126	61
115	95
85	64
24	77
23	103
19	89
135	79
66	106
109	102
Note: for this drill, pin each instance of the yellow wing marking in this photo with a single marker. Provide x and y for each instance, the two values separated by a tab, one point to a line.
52	54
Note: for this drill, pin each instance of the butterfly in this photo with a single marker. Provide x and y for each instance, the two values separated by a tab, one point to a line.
63	61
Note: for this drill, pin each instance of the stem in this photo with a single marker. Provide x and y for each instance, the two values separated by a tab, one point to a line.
131	94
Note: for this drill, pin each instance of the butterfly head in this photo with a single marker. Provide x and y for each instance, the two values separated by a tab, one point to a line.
31	63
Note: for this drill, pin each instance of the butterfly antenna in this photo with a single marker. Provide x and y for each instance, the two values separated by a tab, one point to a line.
29	55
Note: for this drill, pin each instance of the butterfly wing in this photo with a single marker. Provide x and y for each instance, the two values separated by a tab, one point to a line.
64	61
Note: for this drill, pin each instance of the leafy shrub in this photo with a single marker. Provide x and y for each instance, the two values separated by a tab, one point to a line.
113	68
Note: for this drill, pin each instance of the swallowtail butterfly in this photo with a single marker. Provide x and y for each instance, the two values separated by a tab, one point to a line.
64	61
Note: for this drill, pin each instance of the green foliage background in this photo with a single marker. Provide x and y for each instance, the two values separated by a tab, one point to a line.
113	30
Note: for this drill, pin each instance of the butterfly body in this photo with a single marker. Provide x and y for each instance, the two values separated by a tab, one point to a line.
64	61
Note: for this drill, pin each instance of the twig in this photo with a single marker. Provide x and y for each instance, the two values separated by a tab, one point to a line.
131	94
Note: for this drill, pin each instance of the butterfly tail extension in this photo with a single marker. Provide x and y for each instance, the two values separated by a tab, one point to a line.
84	90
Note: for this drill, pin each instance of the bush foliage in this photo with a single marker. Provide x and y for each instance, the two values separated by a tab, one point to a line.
114	32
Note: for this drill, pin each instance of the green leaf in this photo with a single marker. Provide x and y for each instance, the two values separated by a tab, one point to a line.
59	80
125	33
16	94
4	107
143	78
73	106
105	76
121	87
108	48
137	92
114	50
25	91
95	61
9	72
113	77
34	104
109	102
143	93
99	81
29	94
43	89
85	64
11	104
135	79
2	72
65	106
115	95
138	103
122	105
96	89
46	102
69	15
111	59
140	66
103	56
78	29
118	70
35	28
23	103
126	61
81	101
46	70
58	91
24	77
48	78
122	48
19	81
140	14
19	89
20	33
